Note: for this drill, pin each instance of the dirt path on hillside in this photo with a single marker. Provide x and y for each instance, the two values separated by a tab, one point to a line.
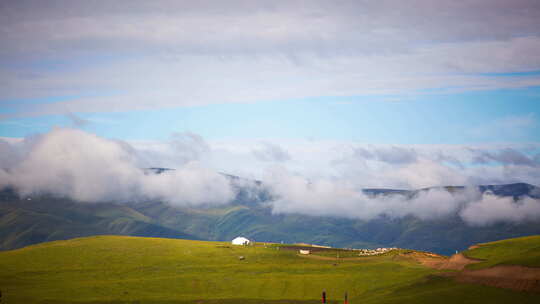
458	262
514	277
455	262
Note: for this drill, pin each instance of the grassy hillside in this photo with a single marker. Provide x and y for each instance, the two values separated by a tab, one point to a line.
41	219
117	269
523	251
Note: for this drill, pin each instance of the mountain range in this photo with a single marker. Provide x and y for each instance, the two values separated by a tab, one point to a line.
41	218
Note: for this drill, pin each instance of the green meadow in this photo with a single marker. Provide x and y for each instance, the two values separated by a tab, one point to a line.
119	269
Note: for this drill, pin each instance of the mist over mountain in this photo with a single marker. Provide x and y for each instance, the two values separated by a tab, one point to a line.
32	219
68	183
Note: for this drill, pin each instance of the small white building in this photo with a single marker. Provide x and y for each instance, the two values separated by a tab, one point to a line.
240	241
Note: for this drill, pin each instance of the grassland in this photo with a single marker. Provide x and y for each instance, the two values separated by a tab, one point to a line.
524	251
116	269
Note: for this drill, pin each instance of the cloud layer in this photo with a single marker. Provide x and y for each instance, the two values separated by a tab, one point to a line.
492	209
78	165
329	198
320	179
140	55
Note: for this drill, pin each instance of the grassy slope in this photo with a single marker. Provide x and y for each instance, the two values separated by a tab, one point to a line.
24	222
151	270
519	251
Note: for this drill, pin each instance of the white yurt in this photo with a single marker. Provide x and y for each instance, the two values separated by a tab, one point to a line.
240	241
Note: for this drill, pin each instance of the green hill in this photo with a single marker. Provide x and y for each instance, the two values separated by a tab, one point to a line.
524	251
119	269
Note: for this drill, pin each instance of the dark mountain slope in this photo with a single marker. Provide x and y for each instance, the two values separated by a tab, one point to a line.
44	218
39	219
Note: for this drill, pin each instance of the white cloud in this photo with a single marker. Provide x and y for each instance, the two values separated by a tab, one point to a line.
507	156
295	194
492	209
319	178
85	167
271	153
169	54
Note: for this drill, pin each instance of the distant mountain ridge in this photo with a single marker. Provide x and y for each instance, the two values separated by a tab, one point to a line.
515	190
46	218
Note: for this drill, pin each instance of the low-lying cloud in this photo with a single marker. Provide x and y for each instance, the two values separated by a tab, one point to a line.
84	167
392	155
295	194
507	156
492	209
311	178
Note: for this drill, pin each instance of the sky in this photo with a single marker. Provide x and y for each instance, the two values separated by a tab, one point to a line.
351	93
388	72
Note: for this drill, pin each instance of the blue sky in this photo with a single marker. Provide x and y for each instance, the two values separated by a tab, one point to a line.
497	116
